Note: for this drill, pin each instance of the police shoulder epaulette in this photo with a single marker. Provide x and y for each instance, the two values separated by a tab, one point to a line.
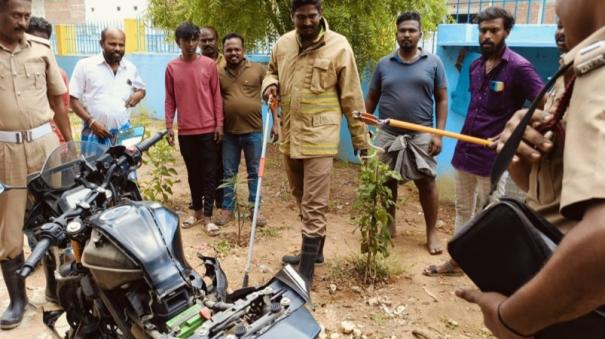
590	58
34	38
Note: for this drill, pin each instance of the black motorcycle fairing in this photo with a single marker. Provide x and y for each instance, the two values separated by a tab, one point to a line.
149	234
300	324
216	274
295	323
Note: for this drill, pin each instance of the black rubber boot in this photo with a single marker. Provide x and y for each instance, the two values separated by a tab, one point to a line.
308	255
51	282
295	259
13	315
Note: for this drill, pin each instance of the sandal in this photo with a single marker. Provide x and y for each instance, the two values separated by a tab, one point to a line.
447	269
212	229
190	222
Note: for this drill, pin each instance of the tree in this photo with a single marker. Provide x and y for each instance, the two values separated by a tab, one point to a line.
368	25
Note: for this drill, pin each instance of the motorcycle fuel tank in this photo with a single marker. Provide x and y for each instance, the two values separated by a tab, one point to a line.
148	233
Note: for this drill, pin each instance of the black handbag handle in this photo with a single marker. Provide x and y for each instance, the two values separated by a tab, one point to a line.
510	147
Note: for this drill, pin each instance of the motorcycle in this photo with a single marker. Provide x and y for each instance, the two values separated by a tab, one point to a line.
117	264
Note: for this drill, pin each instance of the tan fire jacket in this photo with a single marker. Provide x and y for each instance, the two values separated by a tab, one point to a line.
317	86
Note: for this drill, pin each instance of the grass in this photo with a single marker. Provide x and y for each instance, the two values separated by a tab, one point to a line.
379	318
269	232
350	270
222	248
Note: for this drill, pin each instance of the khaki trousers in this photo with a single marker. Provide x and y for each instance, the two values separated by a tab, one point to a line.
310	184
17	161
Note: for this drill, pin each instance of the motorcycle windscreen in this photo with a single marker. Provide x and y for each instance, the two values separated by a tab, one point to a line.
149	234
63	165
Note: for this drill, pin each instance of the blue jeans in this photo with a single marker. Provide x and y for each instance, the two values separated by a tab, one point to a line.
233	144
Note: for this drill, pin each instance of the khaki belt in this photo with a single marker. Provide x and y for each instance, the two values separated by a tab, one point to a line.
19	137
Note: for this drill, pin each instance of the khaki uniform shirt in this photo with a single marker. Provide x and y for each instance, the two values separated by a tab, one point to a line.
546	176
584	154
241	97
220	62
27	75
317	86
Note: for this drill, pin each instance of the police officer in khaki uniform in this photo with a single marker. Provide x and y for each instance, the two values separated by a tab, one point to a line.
571	283
542	180
30	83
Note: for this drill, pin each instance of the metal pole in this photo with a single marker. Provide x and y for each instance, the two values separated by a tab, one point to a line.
261	171
528	11
543	11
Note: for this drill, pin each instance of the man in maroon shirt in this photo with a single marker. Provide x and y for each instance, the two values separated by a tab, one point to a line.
192	89
500	83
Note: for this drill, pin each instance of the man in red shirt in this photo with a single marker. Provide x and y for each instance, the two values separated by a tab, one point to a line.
192	88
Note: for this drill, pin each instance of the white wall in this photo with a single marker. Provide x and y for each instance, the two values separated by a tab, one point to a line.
38	8
114	10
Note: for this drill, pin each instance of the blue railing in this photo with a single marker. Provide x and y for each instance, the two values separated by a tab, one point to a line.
525	11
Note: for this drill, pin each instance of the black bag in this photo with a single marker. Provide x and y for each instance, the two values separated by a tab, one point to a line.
507	243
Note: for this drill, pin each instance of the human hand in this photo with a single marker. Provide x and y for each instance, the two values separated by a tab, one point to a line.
218	134
271	91
435	145
170	137
275	132
488	302
534	145
135	98
99	129
362	154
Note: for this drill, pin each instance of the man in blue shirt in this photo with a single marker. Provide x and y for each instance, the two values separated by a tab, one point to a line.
409	83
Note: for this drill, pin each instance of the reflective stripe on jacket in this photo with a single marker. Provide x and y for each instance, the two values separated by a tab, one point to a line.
317	86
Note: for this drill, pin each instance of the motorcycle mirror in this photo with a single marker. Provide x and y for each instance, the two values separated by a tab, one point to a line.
130	137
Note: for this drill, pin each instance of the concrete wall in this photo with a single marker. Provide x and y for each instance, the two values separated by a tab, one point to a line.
64	11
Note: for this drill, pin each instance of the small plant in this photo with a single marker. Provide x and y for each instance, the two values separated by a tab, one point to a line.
222	248
161	176
269	232
373	199
241	210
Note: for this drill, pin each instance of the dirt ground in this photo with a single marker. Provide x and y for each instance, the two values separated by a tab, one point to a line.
410	303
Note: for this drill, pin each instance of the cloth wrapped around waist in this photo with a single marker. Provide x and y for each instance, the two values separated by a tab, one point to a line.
407	154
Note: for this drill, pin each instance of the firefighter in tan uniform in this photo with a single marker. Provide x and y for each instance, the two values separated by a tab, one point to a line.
313	72
30	83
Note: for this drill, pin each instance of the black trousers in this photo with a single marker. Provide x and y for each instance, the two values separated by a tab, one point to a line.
220	193
201	159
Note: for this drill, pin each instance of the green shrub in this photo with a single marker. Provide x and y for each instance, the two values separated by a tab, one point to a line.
373	199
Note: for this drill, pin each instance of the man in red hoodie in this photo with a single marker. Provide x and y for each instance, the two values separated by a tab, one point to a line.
193	89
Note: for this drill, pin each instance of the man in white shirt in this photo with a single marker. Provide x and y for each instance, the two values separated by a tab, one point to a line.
103	88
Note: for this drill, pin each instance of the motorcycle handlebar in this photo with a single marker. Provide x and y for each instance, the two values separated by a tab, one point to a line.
33	260
147	143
